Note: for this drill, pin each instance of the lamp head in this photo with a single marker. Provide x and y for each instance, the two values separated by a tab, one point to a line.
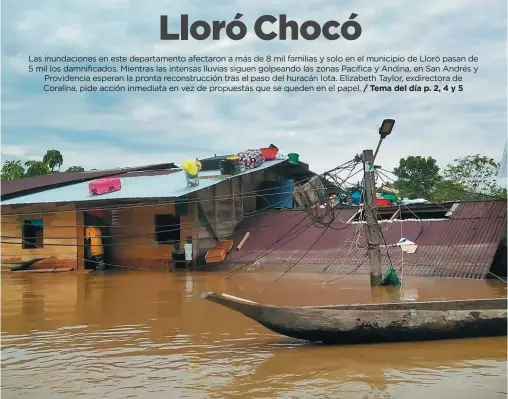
386	127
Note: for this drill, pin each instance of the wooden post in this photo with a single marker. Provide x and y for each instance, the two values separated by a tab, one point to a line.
80	240
373	231
215	202
233	211
195	232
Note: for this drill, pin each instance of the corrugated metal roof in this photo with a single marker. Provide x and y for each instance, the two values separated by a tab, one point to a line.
446	248
10	187
162	186
480	209
155	172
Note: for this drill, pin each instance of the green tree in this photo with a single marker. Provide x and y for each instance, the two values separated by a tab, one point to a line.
12	170
416	176
36	168
54	159
75	169
475	173
447	190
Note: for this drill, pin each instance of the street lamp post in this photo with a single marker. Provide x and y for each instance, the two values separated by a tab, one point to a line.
372	229
384	130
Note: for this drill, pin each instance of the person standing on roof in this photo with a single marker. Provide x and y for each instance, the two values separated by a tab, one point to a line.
93	237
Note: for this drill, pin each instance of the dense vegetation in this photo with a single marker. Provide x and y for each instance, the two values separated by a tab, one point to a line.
50	163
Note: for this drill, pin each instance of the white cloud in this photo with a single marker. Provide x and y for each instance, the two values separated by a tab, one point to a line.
12	151
68	34
328	129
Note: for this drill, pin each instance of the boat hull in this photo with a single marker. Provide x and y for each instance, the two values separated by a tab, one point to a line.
375	323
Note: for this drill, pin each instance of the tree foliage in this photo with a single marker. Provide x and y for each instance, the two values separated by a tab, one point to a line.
36	168
416	176
12	170
52	160
75	169
472	177
448	190
475	173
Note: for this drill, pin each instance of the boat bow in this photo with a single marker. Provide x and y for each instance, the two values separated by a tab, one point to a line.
376	322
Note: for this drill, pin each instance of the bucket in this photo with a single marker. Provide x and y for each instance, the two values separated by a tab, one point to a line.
192	181
391	197
293	158
383	202
236	166
226	167
269	152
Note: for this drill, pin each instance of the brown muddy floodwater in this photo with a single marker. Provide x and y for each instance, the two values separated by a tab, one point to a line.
146	334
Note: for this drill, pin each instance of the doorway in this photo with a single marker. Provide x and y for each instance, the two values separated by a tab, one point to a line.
98	218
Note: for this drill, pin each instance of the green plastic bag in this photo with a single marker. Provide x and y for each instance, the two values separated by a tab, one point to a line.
391	278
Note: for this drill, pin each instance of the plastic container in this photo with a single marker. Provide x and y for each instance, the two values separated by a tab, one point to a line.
236	165
269	153
294	158
192	181
383	202
388	196
104	186
226	167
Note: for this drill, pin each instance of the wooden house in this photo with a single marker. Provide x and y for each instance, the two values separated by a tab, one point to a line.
142	221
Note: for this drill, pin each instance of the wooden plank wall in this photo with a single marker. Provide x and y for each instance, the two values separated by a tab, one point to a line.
59	235
219	217
134	242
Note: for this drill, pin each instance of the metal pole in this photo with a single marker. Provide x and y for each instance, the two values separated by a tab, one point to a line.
373	231
377	149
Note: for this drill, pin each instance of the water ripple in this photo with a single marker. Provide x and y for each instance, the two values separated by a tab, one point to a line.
157	342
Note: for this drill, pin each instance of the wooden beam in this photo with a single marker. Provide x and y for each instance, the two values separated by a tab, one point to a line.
395	215
240	245
80	240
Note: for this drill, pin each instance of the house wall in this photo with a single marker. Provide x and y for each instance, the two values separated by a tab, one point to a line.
133	244
59	235
226	204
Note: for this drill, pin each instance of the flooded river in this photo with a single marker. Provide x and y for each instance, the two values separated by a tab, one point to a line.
149	335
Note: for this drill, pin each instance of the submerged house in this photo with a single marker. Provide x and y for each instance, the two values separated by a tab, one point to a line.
464	240
153	210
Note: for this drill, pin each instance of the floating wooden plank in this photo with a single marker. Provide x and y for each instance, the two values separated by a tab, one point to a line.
51	270
240	245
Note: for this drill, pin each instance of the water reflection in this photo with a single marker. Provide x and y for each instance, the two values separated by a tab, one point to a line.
149	334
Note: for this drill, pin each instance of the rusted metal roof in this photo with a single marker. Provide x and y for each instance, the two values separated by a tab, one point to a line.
28	185
459	247
480	209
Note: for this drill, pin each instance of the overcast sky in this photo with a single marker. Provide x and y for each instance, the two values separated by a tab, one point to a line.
99	131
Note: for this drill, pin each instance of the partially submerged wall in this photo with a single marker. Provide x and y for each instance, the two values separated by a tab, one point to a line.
57	242
134	235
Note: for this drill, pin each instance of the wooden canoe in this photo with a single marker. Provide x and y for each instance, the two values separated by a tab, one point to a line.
25	265
375	323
